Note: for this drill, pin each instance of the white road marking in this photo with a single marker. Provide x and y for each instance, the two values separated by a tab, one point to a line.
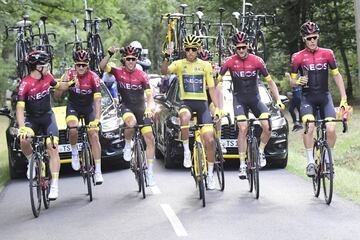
155	190
174	220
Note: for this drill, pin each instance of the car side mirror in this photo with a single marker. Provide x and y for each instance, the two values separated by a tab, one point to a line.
160	97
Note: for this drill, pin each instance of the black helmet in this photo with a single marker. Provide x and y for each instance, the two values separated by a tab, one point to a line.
37	58
309	28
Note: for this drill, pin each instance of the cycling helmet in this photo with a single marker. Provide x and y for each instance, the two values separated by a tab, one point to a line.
192	41
309	28
240	37
205	55
129	51
81	56
136	44
37	58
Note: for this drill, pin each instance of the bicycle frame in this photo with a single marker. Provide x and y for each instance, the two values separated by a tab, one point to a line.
197	142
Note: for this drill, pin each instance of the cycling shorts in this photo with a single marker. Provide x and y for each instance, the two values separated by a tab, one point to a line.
309	103
201	107
137	112
43	125
88	113
242	104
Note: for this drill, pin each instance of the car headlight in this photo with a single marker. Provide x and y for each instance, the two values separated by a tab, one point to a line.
110	120
277	123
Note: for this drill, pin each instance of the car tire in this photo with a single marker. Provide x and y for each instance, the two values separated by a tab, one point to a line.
158	154
168	157
281	163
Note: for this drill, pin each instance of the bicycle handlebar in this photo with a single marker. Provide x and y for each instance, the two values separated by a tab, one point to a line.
324	121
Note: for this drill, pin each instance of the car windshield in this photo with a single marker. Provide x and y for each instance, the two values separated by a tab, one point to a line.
106	98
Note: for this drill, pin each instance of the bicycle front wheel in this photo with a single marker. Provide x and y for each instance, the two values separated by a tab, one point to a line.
34	184
328	173
219	165
200	177
316	179
249	169
255	164
140	162
86	155
45	179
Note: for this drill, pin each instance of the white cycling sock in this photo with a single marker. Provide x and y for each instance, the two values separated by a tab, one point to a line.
128	143
150	164
186	145
210	168
74	150
309	155
98	165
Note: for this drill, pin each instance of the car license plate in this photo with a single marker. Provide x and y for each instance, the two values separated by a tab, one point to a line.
63	148
229	142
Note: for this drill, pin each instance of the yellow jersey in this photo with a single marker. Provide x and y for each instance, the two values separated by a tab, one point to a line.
193	78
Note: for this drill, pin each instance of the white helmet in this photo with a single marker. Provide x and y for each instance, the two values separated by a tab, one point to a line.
136	44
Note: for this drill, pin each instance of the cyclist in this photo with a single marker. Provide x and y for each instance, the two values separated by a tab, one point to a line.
194	75
84	101
314	64
133	83
295	102
143	62
244	68
110	82
34	97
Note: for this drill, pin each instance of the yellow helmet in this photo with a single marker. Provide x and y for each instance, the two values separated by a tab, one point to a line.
192	41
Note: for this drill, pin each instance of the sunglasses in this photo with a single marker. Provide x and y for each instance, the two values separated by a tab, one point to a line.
130	59
44	65
83	65
311	38
241	48
192	49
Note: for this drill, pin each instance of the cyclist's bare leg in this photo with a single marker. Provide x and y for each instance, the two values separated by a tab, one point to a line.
265	135
308	137
331	134
184	121
150	145
209	144
129	132
242	144
25	145
54	158
95	143
73	132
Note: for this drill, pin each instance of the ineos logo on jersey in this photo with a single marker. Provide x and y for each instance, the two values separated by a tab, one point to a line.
318	66
39	95
82	91
193	81
130	86
244	74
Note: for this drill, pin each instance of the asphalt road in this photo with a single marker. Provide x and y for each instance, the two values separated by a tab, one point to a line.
286	209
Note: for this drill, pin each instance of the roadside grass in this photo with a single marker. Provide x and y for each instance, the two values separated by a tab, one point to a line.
4	169
346	158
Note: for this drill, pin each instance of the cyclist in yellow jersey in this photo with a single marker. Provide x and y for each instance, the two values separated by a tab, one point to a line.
194	75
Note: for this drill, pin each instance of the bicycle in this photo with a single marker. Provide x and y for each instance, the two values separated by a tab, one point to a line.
199	166
252	154
199	29
22	45
39	183
44	43
219	157
94	42
138	161
324	168
87	163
